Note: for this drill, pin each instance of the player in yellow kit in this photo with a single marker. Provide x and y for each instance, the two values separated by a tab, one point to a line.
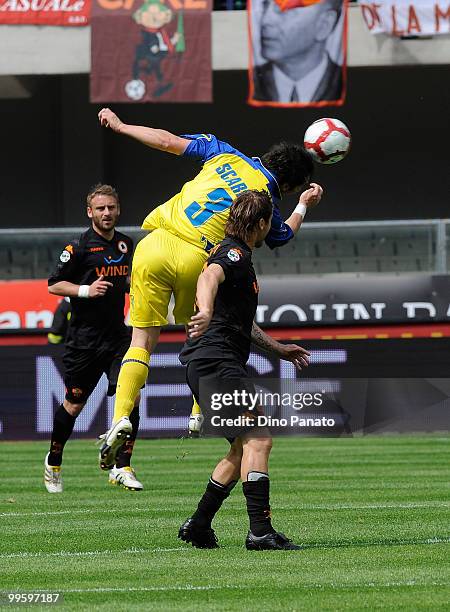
183	231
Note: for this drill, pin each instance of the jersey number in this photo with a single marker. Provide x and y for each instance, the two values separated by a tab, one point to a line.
218	201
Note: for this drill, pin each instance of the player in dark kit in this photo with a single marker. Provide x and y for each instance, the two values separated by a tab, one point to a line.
94	272
217	351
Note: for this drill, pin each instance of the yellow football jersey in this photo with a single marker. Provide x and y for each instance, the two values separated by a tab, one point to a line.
198	213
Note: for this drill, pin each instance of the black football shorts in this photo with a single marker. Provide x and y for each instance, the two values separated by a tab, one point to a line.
85	367
210	380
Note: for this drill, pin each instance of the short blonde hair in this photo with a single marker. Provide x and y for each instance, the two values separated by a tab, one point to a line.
100	189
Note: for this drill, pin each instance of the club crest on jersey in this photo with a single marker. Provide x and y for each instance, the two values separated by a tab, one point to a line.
122	246
65	256
77	392
234	255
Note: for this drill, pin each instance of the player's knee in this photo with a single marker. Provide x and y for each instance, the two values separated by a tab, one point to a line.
145	338
73	409
265	444
260	445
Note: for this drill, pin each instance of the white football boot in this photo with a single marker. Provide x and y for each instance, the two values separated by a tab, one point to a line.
195	425
112	440
125	477
52	477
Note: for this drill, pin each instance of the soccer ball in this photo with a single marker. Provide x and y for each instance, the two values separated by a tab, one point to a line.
135	89
328	140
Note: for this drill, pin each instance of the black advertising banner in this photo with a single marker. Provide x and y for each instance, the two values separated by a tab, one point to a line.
360	386
343	300
296	301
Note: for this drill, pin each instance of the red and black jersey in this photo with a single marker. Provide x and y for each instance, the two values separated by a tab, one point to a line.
98	321
229	333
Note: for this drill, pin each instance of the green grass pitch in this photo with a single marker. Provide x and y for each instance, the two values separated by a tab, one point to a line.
373	515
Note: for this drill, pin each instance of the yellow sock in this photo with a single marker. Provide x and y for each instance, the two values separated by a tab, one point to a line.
195	407
132	377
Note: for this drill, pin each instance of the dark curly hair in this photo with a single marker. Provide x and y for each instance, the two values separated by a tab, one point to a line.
290	163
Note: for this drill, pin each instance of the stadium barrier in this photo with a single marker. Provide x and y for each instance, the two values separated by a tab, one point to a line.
358	247
287	300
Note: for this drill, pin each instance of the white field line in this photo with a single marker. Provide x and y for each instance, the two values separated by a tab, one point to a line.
210	587
90	553
81	511
190	587
374	506
138	551
186	587
368	543
371	506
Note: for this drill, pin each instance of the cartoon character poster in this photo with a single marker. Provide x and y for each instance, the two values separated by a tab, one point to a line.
151	51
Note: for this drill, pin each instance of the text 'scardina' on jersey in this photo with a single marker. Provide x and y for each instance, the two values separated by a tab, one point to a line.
198	213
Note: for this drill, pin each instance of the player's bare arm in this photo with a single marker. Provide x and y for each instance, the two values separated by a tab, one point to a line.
208	282
309	198
151	137
67	289
289	352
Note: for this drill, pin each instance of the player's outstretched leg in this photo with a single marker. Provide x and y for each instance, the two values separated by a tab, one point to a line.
112	440
63	424
122	473
195	420
256	487
197	530
132	376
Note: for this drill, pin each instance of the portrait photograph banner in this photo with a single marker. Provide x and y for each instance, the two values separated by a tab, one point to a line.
406	17
297	52
151	51
45	12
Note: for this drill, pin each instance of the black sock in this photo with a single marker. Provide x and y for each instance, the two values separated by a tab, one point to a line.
212	499
63	424
123	458
258	506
